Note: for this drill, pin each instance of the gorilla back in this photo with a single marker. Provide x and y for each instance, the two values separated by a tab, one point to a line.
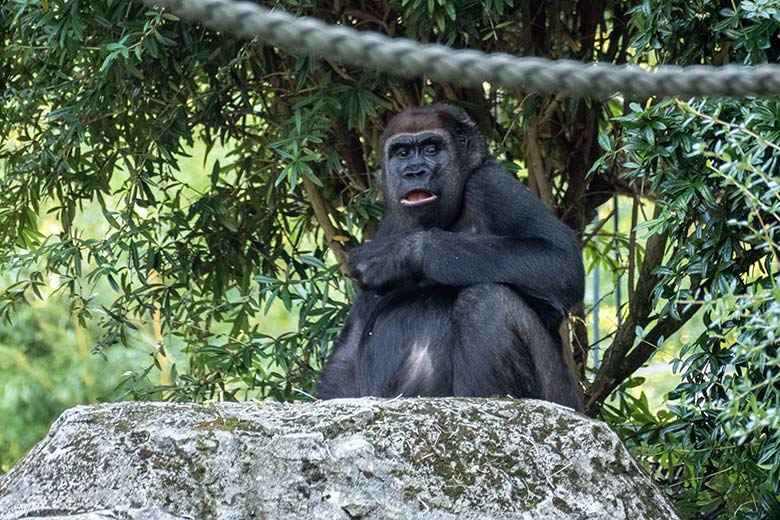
464	287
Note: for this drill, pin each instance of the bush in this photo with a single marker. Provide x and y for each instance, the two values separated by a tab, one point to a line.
104	103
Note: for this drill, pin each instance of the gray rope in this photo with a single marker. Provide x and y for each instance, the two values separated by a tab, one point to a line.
469	67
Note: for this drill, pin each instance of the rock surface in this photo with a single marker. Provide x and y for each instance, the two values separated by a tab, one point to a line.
361	458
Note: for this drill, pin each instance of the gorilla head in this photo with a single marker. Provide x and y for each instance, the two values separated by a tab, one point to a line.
427	154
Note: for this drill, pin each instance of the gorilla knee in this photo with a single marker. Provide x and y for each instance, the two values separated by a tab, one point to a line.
495	301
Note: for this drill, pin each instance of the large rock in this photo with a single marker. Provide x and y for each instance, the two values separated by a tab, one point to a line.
362	458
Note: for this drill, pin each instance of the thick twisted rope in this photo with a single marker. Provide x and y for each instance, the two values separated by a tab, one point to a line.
469	67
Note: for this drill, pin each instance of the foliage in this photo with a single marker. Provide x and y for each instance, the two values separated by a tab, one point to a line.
717	163
103	103
46	367
717	445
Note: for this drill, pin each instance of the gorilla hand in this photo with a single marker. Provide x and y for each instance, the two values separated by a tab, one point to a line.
382	263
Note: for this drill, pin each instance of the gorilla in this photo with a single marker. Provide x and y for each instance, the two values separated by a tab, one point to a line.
465	285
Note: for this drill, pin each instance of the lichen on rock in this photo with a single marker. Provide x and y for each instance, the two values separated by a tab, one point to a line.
351	458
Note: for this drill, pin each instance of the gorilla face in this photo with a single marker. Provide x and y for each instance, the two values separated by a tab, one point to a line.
427	155
423	180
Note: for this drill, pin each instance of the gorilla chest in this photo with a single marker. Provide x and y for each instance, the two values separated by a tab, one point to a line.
407	347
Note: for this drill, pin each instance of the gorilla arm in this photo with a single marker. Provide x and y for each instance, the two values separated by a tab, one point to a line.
509	237
339	380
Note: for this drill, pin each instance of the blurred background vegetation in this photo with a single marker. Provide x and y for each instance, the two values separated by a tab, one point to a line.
176	205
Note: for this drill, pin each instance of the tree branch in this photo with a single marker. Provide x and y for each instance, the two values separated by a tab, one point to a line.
632	247
537	175
649	344
323	219
351	150
638	315
580	345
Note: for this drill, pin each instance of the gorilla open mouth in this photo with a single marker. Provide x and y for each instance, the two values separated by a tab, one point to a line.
418	197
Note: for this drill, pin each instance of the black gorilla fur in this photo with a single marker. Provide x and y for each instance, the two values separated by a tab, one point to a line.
466	282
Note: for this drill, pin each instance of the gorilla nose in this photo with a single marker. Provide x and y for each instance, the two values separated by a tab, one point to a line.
415	173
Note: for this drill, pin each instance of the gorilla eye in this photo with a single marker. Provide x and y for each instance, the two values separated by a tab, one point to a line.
402	152
432	149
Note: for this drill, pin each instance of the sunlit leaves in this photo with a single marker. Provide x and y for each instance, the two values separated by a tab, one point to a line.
715	162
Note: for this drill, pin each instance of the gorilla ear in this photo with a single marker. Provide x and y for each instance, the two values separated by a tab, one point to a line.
469	137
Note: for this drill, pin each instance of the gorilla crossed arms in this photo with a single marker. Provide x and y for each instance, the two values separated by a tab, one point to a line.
465	285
